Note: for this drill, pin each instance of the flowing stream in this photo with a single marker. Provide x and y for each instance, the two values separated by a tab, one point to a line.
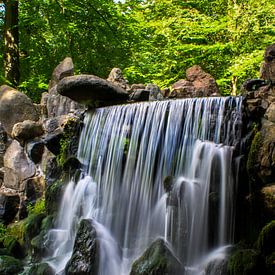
127	152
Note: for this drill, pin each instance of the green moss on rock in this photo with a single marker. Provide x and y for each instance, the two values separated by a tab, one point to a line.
53	197
10	265
266	239
246	262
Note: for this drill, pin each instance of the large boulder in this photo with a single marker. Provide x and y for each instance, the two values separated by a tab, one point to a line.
268	66
156	260
85	257
27	130
3	144
91	90
16	159
15	107
198	83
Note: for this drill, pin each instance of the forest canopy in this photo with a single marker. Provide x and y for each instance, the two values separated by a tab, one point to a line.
152	41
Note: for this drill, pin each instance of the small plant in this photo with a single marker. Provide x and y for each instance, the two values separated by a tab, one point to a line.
37	208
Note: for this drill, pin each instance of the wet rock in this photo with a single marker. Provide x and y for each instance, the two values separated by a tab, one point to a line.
52	170
34	188
26	130
85	257
91	90
3	144
253	85
137	87
16	159
168	183
117	78
268	193
139	95
53	197
40	269
9	205
35	150
155	92
18	107
268	66
157	259
13	247
10	265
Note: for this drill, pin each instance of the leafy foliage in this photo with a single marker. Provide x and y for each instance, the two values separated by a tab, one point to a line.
151	40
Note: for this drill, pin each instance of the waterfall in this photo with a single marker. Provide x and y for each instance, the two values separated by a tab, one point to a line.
127	152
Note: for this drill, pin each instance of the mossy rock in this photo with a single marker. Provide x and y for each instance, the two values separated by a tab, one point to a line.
246	262
266	239
33	226
40	269
53	197
156	260
4	251
17	230
13	247
10	265
48	222
270	263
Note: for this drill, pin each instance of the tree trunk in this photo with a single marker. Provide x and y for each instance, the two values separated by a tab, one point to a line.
11	38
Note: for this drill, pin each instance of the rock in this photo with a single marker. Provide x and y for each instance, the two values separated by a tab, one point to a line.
254	84
140	95
183	89
35	150
3	144
117	78
10	179
13	247
270	113
165	92
203	82
157	259
268	193
10	265
52	141
85	257
155	92
137	87
266	239
32	227
246	261
34	188
53	197
63	69
52	170
268	66
91	90
26	130
18	107
57	105
40	269
16	159
9	205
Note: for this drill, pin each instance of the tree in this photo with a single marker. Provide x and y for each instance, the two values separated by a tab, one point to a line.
11	41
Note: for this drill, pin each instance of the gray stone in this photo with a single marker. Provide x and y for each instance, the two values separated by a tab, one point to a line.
155	92
63	69
157	259
35	150
270	113
15	107
91	90
16	159
26	130
140	95
11	179
117	78
85	257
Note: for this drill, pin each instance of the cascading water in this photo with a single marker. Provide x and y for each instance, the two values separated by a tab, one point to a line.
127	152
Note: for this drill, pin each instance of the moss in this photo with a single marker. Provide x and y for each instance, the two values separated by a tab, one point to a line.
253	155
10	265
13	247
53	196
40	269
37	208
266	239
246	262
270	263
16	230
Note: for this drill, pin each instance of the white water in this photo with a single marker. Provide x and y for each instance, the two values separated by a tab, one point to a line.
127	151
